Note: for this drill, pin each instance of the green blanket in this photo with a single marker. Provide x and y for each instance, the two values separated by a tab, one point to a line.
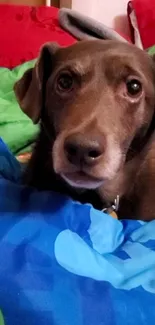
16	129
151	50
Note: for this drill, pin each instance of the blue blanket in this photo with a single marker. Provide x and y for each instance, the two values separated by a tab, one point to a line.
63	263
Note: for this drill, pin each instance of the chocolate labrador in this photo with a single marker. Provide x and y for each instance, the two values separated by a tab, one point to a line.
95	102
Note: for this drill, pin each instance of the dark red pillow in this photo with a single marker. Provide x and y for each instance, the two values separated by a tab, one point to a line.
145	13
24	29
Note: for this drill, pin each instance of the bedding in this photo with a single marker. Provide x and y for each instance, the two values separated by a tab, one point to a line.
151	50
145	15
16	129
23	30
66	263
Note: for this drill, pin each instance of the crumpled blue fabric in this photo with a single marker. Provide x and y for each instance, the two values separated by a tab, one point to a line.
64	263
9	167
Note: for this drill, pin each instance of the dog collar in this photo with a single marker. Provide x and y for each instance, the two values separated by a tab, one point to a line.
112	210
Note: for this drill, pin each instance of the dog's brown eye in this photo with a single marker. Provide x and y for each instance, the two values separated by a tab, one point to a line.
65	82
134	87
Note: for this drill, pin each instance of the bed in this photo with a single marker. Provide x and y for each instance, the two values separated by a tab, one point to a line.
61	262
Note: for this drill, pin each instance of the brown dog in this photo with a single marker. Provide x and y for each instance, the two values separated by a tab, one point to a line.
95	101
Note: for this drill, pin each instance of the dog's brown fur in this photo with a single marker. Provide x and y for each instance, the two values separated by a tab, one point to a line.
97	111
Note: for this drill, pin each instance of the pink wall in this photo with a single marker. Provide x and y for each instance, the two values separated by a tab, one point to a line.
110	12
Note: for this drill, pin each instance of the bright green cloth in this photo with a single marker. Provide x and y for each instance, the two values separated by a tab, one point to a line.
16	129
1	318
151	50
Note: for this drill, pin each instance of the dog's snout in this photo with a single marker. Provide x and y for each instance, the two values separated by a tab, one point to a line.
80	151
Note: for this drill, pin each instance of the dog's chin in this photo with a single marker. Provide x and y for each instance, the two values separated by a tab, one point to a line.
81	180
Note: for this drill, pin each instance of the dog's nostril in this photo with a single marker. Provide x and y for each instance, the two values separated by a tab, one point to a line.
71	152
71	149
93	154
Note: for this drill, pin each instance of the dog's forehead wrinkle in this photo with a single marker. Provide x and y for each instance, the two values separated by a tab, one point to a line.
86	54
76	66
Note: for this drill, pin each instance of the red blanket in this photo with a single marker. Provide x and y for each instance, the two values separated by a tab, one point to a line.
145	13
24	29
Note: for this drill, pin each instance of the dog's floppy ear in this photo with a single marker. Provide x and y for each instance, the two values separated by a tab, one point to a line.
29	90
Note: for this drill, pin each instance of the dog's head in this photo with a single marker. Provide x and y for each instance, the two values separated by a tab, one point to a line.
93	99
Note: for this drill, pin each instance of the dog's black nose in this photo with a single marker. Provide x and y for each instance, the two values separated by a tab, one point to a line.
80	150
